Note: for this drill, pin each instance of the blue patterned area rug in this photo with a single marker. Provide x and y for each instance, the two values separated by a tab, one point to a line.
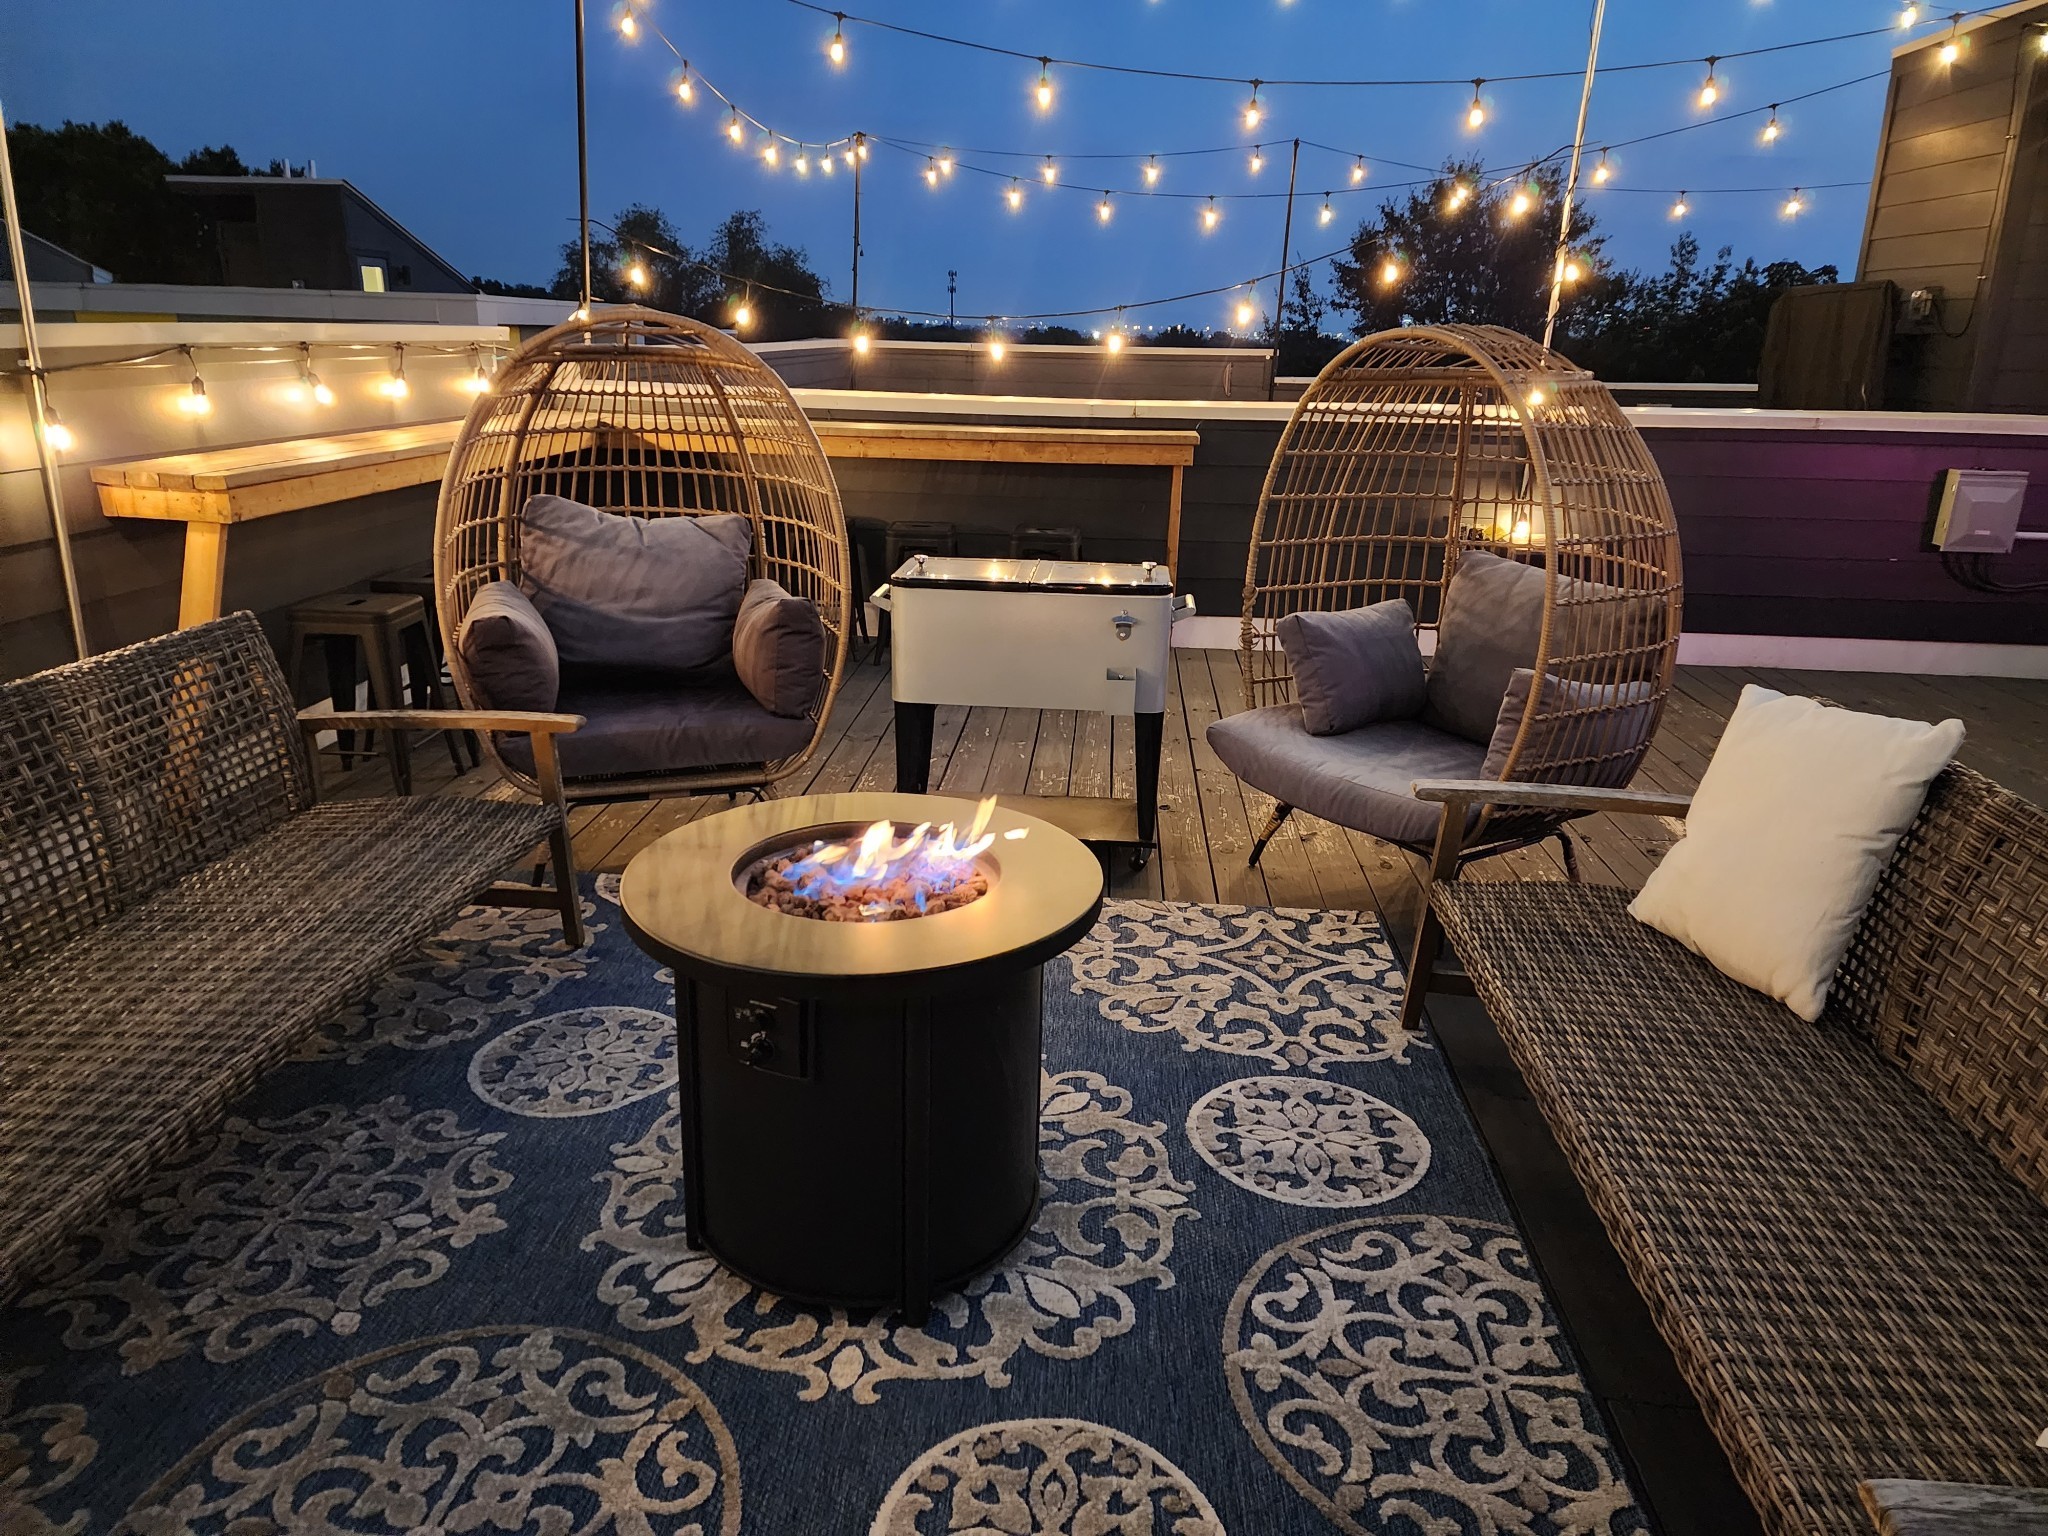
431	1278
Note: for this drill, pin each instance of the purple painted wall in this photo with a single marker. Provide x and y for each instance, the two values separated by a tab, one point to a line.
1826	533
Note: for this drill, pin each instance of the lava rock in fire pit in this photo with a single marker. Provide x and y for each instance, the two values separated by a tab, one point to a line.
886	901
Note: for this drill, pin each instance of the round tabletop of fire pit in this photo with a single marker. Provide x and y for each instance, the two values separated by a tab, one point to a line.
685	900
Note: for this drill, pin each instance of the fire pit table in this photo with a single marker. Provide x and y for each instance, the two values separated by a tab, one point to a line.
860	1088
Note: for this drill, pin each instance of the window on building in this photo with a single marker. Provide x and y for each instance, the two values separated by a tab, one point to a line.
372	274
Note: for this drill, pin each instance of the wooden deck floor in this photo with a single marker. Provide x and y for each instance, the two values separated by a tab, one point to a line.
1207	818
1206	824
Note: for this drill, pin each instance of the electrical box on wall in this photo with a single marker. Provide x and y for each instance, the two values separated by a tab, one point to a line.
1979	511
1920	311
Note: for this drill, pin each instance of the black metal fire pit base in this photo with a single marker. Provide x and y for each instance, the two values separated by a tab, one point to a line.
859	1100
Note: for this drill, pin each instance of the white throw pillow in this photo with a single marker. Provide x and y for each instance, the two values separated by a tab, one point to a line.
1794	820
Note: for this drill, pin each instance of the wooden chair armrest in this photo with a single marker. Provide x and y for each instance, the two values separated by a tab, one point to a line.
1551	797
525	722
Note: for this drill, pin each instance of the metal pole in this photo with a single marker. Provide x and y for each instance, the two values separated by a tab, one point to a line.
1571	184
1280	292
39	400
859	142
582	156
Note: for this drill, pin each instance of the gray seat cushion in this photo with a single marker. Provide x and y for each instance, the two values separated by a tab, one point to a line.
618	591
641	723
509	651
1358	780
1583	733
778	648
1492	619
1354	666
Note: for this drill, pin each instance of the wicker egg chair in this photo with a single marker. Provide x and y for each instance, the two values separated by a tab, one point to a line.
648	415
1412	450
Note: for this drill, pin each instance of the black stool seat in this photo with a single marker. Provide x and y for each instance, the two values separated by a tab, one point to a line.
920	538
418	579
390	628
1046	544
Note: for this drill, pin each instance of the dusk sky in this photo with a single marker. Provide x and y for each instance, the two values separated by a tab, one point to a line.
458	117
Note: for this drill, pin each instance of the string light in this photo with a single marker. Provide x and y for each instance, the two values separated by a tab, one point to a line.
55	433
1210	215
945	162
1794	205
1252	113
850	158
581	314
1102	209
1909	15
1258	160
826	165
802	163
629	24
476	381
2041	39
860	340
1572	270
1152	169
1771	129
1326	212
1475	115
836	49
1458	197
1390	271
742	315
1602	171
1246	314
1114	341
309	386
636	274
733	130
771	153
1357	172
1048	173
1520	203
931	173
1044	91
393	386
1710	88
686	90
1952	49
997	347
194	401
1014	195
1680	208
1535	397
860	145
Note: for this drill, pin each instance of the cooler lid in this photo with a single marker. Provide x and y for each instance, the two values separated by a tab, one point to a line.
1006	575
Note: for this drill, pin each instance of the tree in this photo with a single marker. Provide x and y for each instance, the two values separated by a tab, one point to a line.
97	189
1693	322
1300	344
739	264
1466	251
507	290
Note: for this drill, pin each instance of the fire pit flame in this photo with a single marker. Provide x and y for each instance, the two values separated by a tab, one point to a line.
881	877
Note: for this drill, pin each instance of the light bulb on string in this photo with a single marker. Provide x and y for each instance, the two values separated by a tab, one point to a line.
1680	208
1390	271
1794	205
636	273
860	145
1114	341
742	315
1520	203
686	88
1602	171
1357	172
1152	170
850	158
1570	270
1210	215
826	164
1460	194
310	386
860	338
1258	159
1952	48
836	49
771	153
931	173
1102	209
629	24
801	164
945	162
1253	113
1246	313
476	381
1771	128
1325	213
1535	397
194	401
60	437
1710	88
1048	172
1475	115
1043	93
1014	195
997	347
393	385
1908	15
733	128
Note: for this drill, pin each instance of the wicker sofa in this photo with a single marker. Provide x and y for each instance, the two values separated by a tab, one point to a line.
1841	1229
176	913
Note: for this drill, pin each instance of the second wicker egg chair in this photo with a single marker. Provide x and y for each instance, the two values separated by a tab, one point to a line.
1412	451
646	415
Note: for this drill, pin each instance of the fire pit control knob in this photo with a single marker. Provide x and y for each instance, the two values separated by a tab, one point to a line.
757	1045
757	1048
1124	625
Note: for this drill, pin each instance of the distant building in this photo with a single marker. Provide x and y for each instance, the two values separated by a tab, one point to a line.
51	263
312	232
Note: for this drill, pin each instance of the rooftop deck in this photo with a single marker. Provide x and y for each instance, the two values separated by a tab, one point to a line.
1207	820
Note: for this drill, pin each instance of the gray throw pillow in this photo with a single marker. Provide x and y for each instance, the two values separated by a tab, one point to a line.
507	650
653	594
1354	667
778	649
1584	733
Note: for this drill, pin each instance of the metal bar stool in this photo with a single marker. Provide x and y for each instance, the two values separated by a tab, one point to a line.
1046	544
418	580
384	625
911	537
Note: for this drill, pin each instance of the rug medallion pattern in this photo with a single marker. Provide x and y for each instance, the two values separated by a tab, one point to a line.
430	1276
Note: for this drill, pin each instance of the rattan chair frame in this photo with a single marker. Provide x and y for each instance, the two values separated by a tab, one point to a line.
1417	446
644	414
